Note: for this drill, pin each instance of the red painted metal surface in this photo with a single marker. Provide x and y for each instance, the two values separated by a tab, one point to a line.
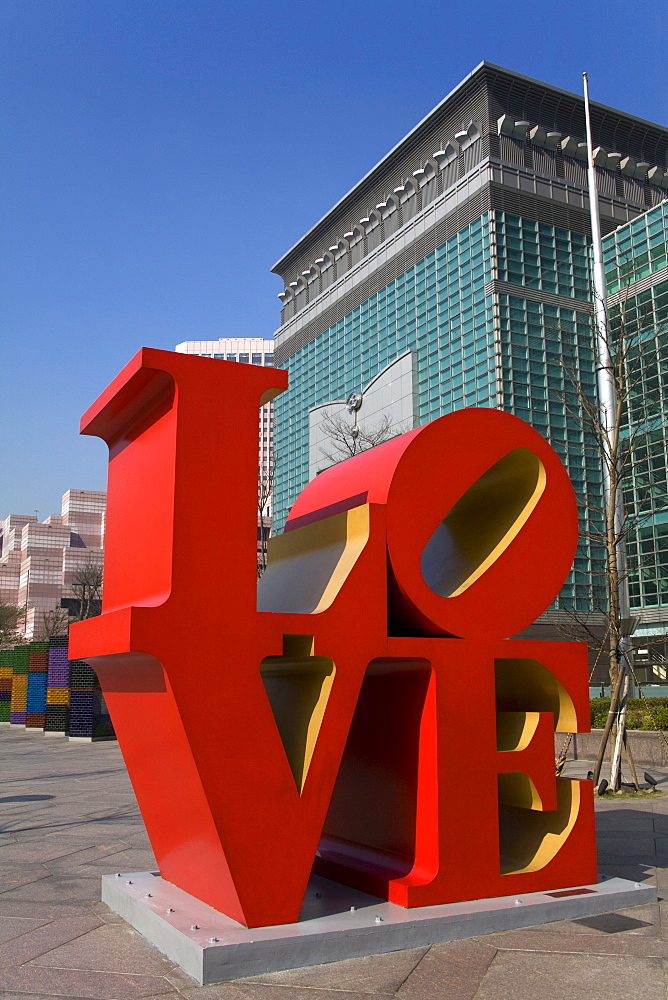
402	789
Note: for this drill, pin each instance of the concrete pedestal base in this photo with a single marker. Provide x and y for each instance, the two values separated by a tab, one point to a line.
336	923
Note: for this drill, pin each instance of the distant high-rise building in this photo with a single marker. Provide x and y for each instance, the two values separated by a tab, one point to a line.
457	273
250	351
41	563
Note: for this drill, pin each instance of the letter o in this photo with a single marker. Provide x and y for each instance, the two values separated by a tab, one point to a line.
481	522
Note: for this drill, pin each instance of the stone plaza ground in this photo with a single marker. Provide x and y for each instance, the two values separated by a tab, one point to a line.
68	815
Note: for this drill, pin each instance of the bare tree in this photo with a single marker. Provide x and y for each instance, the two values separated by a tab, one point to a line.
346	439
610	523
265	492
349	439
86	585
54	623
12	616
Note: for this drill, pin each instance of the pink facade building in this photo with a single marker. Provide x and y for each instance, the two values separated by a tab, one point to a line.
41	562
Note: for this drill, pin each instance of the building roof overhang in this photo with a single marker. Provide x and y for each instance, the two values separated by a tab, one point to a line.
395	153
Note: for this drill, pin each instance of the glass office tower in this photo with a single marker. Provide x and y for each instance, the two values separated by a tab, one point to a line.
461	260
637	283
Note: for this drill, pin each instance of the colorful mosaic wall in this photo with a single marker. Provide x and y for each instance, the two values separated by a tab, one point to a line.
41	689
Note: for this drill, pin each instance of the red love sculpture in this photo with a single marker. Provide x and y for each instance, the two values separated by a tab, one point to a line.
364	702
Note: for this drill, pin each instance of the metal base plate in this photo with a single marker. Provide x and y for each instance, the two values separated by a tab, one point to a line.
335	923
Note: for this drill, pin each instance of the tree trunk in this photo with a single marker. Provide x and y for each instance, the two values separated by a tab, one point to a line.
616	764
612	715
631	762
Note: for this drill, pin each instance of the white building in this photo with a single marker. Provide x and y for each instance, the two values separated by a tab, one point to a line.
250	351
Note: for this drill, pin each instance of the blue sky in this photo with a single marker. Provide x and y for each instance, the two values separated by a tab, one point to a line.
160	155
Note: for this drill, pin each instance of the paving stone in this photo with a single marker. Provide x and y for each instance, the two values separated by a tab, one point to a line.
122	861
633	821
579	943
645	920
139	839
103	828
20	875
179	980
85	856
42	832
105	912
627	844
107	948
261	991
228	991
634	873
624	820
453	971
661	879
94	872
8	868
570	977
37	851
85	841
13	927
40	910
57	888
38	996
74	983
166	996
371	974
43	939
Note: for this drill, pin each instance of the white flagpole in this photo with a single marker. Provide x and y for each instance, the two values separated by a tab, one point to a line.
607	394
607	403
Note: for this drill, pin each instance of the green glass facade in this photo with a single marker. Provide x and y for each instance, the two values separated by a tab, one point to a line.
438	308
472	348
636	250
637	279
